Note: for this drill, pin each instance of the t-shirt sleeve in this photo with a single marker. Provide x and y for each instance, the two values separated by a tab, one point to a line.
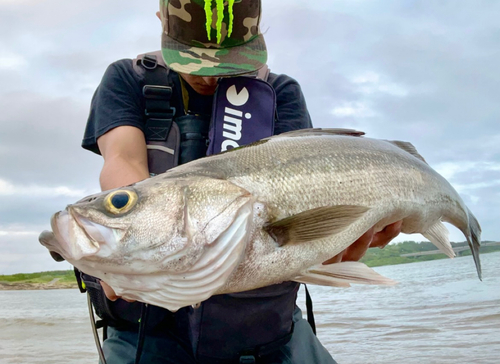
290	105
116	102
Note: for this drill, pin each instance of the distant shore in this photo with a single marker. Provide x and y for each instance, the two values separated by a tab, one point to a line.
38	281
390	255
35	286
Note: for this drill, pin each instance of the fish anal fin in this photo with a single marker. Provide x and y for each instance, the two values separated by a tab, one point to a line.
314	224
439	236
343	275
408	147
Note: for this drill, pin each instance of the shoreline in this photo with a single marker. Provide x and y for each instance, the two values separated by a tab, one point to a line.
23	286
55	283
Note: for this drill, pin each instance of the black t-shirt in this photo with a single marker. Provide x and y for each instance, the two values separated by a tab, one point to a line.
118	101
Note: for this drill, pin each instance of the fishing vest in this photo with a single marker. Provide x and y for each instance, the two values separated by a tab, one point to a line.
224	328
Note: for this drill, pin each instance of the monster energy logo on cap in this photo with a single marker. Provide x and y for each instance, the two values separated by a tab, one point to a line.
220	16
212	37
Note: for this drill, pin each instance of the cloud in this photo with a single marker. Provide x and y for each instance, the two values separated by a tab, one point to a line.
11	61
8	189
449	170
25	254
370	83
19	233
353	109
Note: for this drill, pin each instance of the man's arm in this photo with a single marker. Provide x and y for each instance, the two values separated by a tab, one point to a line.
125	157
125	162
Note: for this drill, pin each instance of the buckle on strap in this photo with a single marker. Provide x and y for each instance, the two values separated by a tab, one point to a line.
158	101
155	92
149	61
247	359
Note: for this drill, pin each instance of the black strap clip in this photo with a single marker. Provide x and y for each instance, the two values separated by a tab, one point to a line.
158	102
158	111
149	61
247	359
155	92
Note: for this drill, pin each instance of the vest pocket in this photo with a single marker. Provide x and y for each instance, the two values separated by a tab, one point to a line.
226	325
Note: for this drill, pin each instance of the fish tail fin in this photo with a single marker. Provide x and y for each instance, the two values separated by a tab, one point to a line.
342	275
474	240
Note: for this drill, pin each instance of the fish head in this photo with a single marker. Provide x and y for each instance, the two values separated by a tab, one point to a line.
100	228
158	225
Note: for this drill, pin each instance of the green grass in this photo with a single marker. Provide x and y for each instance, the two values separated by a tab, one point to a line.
391	254
65	276
374	257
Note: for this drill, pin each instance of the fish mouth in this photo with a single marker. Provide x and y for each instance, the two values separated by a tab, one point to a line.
50	241
57	241
72	237
103	238
90	229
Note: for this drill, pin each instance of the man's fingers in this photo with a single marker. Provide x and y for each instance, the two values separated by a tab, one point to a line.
370	239
383	237
335	259
357	250
109	292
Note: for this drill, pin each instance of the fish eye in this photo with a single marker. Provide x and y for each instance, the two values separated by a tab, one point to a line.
120	202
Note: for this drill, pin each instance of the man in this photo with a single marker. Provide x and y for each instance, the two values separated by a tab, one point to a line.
201	42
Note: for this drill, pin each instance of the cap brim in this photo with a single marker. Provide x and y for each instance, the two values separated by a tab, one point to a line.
199	61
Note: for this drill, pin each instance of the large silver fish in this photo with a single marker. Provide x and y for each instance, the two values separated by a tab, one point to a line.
258	215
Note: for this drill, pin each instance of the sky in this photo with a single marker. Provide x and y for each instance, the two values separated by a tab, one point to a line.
425	72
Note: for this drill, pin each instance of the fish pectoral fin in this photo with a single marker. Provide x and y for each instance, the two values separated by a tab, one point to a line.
438	235
343	275
408	147
314	224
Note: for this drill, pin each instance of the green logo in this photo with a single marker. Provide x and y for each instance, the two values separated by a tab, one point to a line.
220	17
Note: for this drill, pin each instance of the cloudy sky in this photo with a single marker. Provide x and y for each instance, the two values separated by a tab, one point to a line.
421	71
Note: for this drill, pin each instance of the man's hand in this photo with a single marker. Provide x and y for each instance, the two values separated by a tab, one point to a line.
110	293
370	239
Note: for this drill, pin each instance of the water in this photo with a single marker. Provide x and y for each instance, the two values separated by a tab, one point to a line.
439	313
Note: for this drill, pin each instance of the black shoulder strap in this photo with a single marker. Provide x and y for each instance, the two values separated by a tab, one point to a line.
157	93
310	312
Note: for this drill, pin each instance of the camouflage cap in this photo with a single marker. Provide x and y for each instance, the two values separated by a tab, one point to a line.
212	37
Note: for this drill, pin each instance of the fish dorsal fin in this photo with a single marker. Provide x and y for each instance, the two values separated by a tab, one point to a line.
321	131
314	224
407	147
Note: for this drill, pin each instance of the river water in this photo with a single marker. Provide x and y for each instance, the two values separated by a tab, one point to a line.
438	313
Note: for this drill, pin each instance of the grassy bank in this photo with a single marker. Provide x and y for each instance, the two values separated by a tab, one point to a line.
391	254
42	280
375	257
